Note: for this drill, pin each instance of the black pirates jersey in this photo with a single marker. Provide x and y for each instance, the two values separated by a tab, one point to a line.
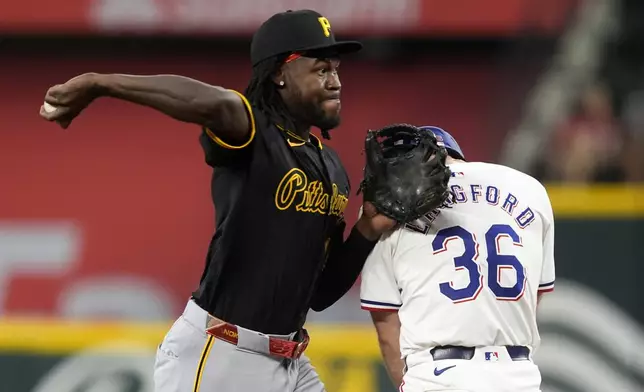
278	199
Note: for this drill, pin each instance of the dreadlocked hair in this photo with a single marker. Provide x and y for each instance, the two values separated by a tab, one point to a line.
262	93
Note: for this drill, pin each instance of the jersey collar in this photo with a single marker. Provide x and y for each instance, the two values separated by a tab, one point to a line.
294	140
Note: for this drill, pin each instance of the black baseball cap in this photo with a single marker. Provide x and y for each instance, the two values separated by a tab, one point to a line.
297	31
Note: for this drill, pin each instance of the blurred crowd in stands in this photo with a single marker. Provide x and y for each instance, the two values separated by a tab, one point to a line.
603	139
597	143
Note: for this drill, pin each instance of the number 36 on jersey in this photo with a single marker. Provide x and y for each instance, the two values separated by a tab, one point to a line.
468	262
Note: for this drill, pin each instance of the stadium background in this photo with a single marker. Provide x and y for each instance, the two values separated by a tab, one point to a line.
104	227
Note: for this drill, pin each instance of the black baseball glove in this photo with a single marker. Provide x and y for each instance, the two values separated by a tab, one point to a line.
405	176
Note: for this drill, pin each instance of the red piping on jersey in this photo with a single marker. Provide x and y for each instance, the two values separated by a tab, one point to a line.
380	309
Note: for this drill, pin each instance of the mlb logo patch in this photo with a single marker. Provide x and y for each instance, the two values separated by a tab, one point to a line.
491	356
458	174
439	140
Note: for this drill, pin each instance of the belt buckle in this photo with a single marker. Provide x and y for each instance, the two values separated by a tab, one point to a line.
301	346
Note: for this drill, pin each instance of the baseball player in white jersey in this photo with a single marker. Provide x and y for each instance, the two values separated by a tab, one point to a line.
454	295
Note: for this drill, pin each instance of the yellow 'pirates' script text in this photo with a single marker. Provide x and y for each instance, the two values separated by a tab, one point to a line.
309	195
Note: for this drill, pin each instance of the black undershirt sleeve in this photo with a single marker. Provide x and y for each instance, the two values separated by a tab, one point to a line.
345	262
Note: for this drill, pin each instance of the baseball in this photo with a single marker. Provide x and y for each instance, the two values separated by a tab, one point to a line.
49	108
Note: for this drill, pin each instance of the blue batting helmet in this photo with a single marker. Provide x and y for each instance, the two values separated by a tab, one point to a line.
445	139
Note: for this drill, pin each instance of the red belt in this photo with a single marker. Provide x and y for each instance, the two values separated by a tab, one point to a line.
279	347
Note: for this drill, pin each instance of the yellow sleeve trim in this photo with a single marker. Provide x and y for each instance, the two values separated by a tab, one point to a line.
249	110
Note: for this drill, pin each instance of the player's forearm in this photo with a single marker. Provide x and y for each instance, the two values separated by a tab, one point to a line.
181	98
391	356
342	269
388	329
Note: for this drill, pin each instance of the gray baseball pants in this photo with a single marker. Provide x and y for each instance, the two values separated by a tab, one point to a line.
189	360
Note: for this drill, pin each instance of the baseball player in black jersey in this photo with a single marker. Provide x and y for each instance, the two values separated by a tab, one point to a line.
279	194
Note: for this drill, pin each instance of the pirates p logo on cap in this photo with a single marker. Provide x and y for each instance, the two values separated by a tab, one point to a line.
326	26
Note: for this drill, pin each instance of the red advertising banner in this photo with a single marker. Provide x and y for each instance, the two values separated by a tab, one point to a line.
241	17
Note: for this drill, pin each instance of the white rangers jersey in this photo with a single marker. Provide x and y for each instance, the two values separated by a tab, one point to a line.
469	274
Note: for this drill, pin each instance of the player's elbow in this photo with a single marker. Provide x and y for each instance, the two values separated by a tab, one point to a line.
325	297
319	306
318	302
321	301
229	117
386	340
